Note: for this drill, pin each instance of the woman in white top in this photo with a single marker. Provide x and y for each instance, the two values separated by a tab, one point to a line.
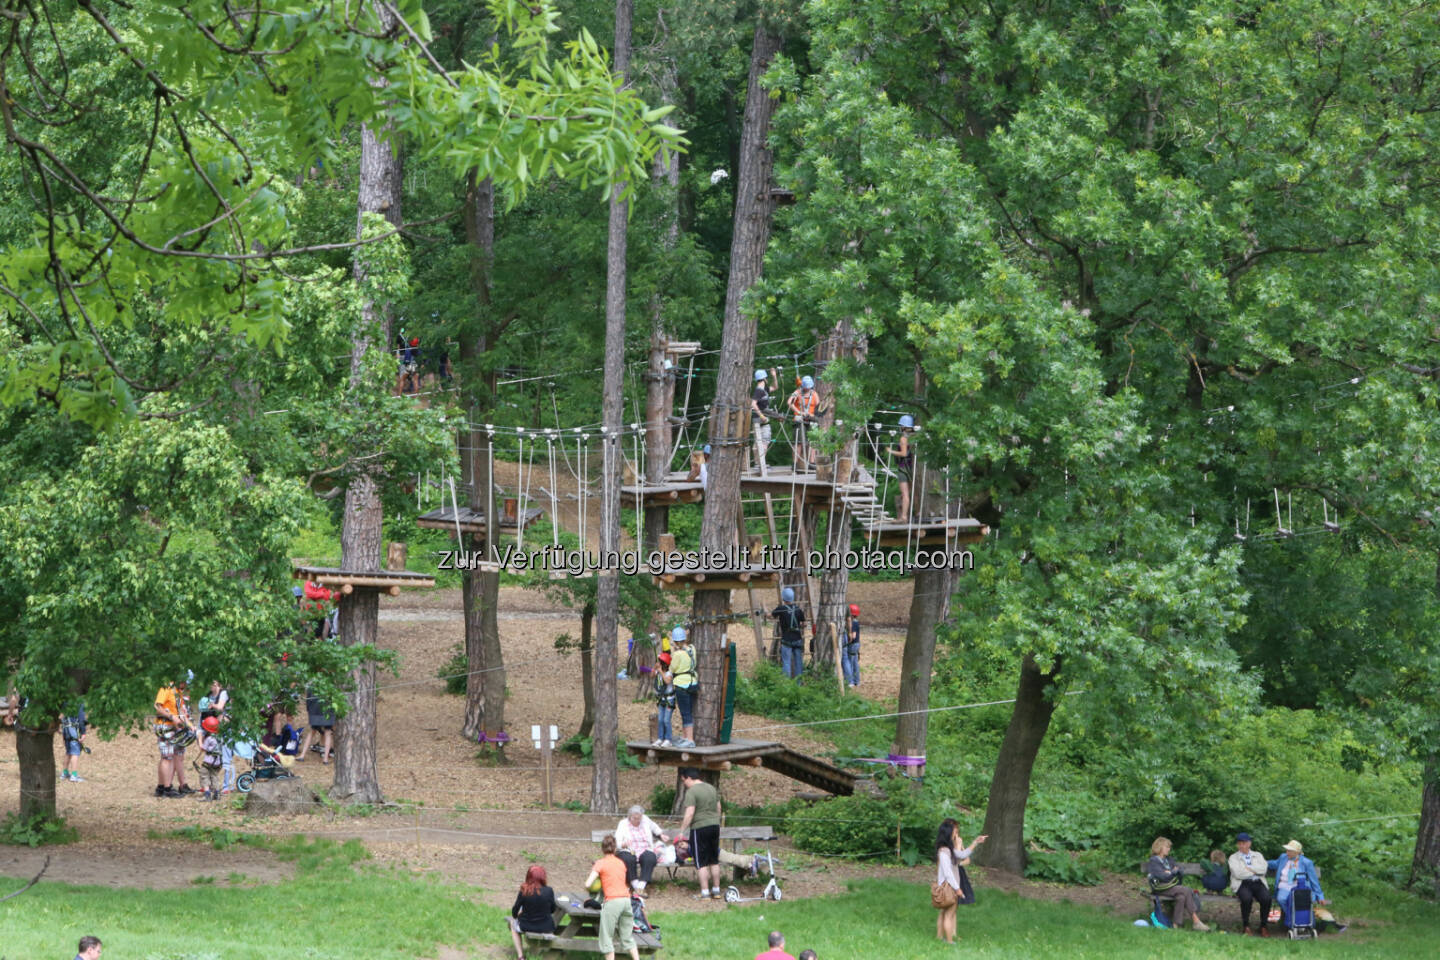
951	857
636	843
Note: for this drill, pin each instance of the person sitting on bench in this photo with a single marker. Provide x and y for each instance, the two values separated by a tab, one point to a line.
534	909
635	844
1247	881
1164	875
1289	871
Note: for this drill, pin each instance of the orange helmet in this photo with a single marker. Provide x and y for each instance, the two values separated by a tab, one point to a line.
211	724
854	609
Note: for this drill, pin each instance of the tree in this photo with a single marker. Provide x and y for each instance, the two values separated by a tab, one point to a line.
605	785
729	425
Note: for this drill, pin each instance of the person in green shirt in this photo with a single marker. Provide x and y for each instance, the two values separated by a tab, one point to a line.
702	818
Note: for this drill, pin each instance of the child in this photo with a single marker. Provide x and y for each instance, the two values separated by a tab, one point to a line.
72	731
850	661
210	760
904	464
664	702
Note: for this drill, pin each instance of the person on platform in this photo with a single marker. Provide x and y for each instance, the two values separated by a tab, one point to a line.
760	411
904	461
682	675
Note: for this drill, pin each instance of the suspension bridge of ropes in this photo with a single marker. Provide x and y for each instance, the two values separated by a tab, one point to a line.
788	482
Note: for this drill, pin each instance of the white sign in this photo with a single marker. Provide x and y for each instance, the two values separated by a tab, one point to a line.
535	735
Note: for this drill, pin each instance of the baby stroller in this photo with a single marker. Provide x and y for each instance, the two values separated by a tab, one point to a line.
266	764
1299	916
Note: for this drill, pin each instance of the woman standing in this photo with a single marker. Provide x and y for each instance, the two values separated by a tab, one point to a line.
534	909
1164	875
950	859
616	915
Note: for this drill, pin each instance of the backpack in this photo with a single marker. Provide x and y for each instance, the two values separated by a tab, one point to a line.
642	923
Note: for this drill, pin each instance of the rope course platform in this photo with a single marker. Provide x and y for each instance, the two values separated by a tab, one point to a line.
473	521
676	489
739	578
935	532
770	754
347	581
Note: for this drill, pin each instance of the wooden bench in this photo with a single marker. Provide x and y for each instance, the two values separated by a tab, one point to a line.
1208	901
577	931
762	833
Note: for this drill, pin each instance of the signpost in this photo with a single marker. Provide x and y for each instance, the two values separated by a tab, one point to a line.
545	744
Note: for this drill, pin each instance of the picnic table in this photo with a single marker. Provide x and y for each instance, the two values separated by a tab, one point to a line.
577	931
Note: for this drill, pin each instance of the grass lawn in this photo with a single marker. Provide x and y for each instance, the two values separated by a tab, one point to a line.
334	911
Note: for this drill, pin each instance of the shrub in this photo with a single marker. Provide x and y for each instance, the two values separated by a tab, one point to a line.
1059	866
866	825
454	670
35	831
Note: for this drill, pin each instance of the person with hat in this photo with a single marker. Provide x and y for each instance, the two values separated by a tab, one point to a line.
791	619
805	408
1247	881
760	407
664	702
681	674
211	761
1291	870
904	464
850	657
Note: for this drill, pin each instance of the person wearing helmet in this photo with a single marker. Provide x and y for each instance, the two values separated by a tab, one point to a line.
790	618
173	730
410	366
805	408
664	703
850	656
211	760
904	464
760	408
681	674
72	731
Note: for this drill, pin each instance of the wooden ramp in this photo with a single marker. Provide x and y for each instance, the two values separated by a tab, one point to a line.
770	754
473	521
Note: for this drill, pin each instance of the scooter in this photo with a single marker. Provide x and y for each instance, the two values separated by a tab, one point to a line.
771	891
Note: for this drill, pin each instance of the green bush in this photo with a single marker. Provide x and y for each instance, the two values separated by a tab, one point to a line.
866	826
35	831
454	671
1059	866
662	799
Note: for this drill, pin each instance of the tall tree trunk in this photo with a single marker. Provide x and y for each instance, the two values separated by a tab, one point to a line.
605	775
659	383
831	615
729	420
1425	867
485	686
929	606
356	777
1010	786
35	749
587	667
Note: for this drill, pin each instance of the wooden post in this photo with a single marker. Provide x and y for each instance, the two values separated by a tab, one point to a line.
545	756
395	555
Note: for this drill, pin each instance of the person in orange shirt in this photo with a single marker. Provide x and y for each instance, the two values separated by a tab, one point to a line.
171	721
616	916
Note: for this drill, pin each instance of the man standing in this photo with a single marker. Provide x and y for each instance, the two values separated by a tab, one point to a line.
171	722
1248	883
760	409
89	949
805	408
777	948
792	636
702	819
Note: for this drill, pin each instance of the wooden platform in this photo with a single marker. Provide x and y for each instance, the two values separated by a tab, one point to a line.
770	754
805	486
473	521
347	581
680	578
936	532
676	489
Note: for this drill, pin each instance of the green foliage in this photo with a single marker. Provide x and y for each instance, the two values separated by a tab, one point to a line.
1059	866
865	825
584	747
455	671
35	831
662	799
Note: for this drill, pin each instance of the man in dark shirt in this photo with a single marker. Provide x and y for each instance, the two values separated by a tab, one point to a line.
89	949
791	619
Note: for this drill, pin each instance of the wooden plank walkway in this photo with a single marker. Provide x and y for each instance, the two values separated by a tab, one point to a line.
473	521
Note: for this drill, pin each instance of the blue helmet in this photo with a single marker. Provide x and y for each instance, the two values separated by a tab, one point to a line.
808	383
706	451
298	592
677	635
907	421
788	594
759	375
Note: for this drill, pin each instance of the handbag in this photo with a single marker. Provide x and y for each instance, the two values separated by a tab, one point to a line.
942	895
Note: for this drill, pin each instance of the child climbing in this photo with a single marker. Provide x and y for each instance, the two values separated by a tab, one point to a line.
904	464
